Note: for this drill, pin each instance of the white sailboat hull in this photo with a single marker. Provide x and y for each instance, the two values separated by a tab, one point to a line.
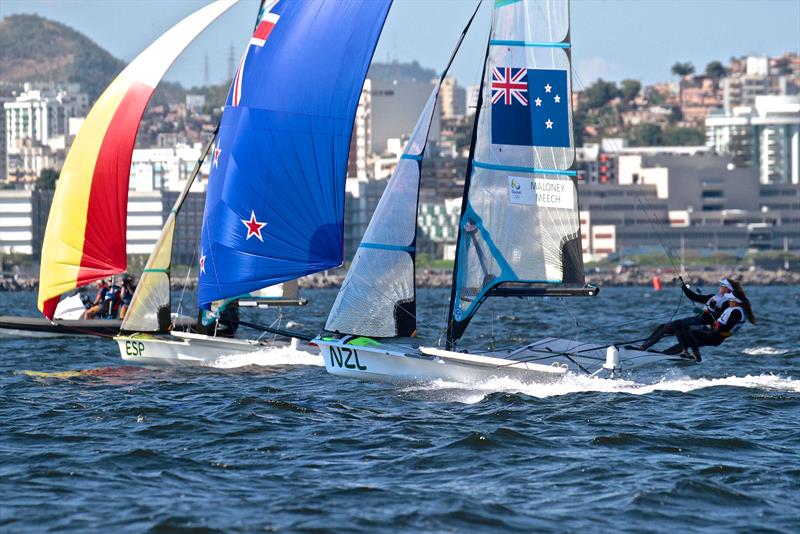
398	364
184	349
547	360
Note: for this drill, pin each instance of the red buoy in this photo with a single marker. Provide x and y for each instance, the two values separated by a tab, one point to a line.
656	283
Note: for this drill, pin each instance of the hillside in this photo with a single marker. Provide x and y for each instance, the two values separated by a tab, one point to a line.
65	55
35	49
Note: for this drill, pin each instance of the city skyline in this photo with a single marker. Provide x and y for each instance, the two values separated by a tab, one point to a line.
625	45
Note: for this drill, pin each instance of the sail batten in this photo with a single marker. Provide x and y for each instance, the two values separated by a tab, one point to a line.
519	224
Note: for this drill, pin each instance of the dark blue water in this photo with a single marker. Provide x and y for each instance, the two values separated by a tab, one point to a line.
714	446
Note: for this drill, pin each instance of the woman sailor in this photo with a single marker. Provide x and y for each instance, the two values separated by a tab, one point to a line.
737	312
713	308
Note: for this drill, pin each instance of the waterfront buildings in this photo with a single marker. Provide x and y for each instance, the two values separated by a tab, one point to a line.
737	191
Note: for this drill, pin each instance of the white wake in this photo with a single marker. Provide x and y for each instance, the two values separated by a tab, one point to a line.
475	392
269	357
765	351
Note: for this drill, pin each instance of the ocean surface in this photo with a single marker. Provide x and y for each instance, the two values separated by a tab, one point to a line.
270	441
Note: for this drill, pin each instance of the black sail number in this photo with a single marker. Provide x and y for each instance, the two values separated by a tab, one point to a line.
134	348
345	358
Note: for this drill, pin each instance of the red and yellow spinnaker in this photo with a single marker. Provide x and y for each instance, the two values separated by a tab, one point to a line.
85	237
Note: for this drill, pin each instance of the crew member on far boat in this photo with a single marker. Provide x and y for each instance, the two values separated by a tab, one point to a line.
713	307
111	302
735	315
126	295
97	303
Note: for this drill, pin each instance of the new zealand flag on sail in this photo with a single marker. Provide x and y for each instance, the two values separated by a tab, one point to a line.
530	107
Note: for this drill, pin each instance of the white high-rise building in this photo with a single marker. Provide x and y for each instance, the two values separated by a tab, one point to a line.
37	124
361	139
452	99
765	135
42	115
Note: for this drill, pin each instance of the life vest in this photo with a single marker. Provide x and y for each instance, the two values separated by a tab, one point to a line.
101	294
111	301
714	305
725	317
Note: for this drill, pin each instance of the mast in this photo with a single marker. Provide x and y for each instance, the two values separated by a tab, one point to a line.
378	295
451	334
151	305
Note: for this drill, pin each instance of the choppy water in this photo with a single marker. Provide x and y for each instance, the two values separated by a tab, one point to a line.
253	446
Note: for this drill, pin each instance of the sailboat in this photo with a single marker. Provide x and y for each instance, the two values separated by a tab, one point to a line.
518	235
85	237
275	199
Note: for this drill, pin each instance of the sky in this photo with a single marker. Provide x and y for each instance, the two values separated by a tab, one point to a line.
612	39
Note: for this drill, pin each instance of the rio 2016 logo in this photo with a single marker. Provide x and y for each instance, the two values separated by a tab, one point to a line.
515	184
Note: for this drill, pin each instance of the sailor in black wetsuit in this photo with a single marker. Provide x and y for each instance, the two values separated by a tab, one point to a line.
734	316
713	307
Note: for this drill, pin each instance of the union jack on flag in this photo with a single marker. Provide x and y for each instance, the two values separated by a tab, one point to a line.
508	84
259	38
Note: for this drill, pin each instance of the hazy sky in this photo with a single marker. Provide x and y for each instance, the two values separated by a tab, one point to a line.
612	39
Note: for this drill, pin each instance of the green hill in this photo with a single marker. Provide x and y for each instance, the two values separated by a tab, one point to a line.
33	48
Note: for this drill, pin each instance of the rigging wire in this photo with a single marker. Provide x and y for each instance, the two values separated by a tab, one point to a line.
652	220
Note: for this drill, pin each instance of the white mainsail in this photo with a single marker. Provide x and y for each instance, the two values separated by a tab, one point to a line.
519	222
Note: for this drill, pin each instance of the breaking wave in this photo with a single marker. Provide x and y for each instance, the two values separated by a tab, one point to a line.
765	351
471	393
273	356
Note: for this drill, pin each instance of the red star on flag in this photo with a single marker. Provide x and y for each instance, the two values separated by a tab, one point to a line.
253	227
203	264
217	152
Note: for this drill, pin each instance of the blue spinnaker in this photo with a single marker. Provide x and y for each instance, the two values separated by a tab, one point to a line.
275	202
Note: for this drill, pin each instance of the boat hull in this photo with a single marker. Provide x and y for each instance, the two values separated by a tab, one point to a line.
545	361
182	349
42	328
400	365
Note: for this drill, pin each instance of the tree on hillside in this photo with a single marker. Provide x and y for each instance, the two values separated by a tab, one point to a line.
47	179
655	98
678	136
578	125
716	69
600	93
682	69
629	89
646	135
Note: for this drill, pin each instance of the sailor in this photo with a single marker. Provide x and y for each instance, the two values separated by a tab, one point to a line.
219	323
713	307
737	313
126	295
111	301
97	304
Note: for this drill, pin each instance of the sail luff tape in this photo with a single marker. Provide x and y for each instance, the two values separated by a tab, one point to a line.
381	246
506	42
513	168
